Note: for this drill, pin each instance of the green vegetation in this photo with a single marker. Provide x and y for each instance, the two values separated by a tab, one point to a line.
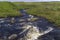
49	10
8	9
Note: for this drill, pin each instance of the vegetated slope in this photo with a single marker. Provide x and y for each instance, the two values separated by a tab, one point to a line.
49	10
8	9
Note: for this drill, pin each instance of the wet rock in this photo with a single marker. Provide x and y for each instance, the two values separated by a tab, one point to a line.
2	20
13	36
31	16
32	19
21	20
12	20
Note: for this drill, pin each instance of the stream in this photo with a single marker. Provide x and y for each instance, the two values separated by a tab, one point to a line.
15	25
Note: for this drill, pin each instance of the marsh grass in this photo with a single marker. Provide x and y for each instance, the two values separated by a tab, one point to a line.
49	10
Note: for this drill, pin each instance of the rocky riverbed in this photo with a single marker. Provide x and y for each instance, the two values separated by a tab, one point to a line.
28	27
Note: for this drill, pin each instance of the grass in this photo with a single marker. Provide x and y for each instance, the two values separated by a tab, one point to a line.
8	9
49	10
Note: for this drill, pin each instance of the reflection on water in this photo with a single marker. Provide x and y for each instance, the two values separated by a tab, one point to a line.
15	28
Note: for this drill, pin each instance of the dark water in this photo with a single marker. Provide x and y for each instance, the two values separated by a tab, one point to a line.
10	25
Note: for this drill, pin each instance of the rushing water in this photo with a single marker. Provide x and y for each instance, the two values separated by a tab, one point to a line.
18	28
